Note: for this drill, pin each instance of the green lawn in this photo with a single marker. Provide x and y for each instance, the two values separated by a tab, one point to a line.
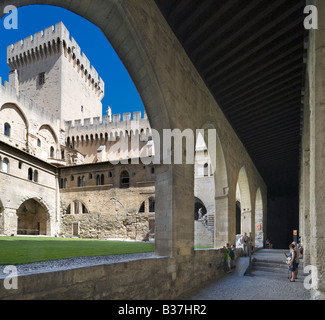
18	250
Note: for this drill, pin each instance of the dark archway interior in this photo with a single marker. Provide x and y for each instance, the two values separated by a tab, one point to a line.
199	205
32	218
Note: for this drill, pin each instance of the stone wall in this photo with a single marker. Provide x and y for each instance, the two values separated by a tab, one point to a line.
16	188
132	227
106	210
174	279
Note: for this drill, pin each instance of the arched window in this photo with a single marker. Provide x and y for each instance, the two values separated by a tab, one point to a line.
7	129
84	209
98	180
5	165
124	180
152	204
35	176
76	207
39	142
142	207
81	181
52	152
206	170
30	174
102	179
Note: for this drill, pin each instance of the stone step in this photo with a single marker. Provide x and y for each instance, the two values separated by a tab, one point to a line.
270	261
271	270
270	264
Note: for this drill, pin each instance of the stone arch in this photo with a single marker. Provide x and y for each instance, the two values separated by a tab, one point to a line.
13	116
198	203
147	205
77	207
33	217
115	209
218	212
203	234
10	105
116	20
48	138
51	130
243	189
115	29
259	220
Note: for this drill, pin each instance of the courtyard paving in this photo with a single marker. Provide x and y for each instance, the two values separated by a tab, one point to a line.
261	285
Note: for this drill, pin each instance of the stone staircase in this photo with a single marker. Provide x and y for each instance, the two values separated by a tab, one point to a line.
272	260
203	234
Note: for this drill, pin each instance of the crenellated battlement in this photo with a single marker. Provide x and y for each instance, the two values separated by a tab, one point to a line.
117	123
55	39
9	94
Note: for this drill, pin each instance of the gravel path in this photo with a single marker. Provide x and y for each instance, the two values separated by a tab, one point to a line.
72	263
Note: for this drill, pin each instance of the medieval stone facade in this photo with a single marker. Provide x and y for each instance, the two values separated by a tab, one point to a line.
55	148
66	169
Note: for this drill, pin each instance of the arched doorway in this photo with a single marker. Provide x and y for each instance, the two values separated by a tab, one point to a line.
203	233
259	223
33	218
243	196
213	173
200	210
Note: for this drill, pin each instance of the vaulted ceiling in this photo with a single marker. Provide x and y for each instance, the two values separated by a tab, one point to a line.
250	53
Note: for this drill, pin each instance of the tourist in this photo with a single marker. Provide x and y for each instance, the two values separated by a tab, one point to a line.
245	244
297	252
232	256
228	258
268	244
292	264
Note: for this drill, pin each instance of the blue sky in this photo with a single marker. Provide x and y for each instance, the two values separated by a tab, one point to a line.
120	92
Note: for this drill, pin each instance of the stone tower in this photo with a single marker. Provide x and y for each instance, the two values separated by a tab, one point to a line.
50	68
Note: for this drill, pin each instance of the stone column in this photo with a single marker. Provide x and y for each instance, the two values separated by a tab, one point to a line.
174	234
316	74
304	216
10	221
221	221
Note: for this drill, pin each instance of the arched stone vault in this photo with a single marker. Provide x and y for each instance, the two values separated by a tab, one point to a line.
175	96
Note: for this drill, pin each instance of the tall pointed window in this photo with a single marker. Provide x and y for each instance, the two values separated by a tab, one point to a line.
124	180
52	153
7	129
5	165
